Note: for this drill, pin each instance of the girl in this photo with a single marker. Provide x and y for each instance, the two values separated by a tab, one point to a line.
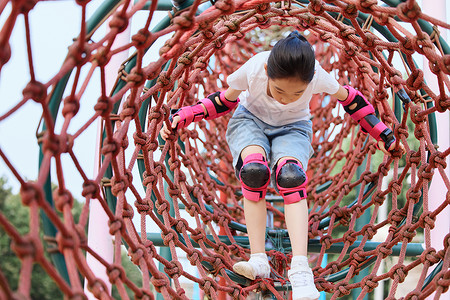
270	135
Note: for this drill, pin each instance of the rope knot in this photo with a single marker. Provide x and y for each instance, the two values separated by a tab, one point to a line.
437	160
66	242
342	289
115	225
345	33
5	54
174	268
24	247
119	184
136	77
407	46
143	39
140	138
130	109
104	106
369	231
378	198
444	63
427	220
384	249
62	198
31	192
143	207
127	211
111	147
396	216
407	12
409	232
350	11
366	6
430	256
164	80
80	53
136	254
370	282
443	103
186	60
35	90
326	241
119	22
225	6
426	172
413	195
150	178
71	106
262	8
232	25
102	57
394	186
316	7
116	271
423	42
185	21
400	272
160	282
90	189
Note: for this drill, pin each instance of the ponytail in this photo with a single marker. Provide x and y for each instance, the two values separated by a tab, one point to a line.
292	57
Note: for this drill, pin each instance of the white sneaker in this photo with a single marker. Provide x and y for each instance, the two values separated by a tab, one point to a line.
302	281
256	267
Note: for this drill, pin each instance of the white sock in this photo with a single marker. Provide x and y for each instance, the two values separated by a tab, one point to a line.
259	256
299	259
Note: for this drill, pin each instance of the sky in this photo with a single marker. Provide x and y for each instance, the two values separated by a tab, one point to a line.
54	25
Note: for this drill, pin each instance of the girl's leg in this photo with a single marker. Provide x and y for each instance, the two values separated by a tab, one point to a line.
296	215
255	213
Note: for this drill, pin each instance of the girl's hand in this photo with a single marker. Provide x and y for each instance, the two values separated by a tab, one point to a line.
165	132
391	148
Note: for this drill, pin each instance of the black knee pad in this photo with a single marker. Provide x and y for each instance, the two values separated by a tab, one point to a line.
254	176
291	181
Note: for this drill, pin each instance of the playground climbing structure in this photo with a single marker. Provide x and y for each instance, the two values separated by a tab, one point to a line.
185	186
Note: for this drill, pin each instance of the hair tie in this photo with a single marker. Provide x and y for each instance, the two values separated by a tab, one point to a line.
296	34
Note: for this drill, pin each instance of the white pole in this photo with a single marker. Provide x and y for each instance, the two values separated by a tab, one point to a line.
99	238
437	9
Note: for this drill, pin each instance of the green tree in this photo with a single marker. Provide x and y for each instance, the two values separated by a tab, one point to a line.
42	286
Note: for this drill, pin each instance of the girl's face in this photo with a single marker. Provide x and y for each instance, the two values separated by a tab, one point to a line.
286	90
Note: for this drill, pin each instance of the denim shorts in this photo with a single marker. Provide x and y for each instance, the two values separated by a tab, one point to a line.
294	139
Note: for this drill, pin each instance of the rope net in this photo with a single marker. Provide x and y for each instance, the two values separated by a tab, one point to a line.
185	187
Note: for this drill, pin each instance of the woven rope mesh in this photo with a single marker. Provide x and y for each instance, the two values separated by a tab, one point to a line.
184	190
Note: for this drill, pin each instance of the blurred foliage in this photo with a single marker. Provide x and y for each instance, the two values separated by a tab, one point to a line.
42	285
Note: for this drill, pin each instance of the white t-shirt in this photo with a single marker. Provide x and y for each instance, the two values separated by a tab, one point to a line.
252	78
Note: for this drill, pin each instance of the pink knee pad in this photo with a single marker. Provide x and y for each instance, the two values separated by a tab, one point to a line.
291	181
254	176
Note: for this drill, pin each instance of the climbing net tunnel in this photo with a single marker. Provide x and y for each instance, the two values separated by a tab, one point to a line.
370	220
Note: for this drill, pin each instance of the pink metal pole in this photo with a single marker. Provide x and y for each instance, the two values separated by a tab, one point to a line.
99	238
437	9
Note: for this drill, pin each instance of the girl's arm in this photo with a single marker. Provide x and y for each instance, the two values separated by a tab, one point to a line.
341	94
211	107
362	111
232	94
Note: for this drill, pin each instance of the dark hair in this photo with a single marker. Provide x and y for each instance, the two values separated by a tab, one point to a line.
292	57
